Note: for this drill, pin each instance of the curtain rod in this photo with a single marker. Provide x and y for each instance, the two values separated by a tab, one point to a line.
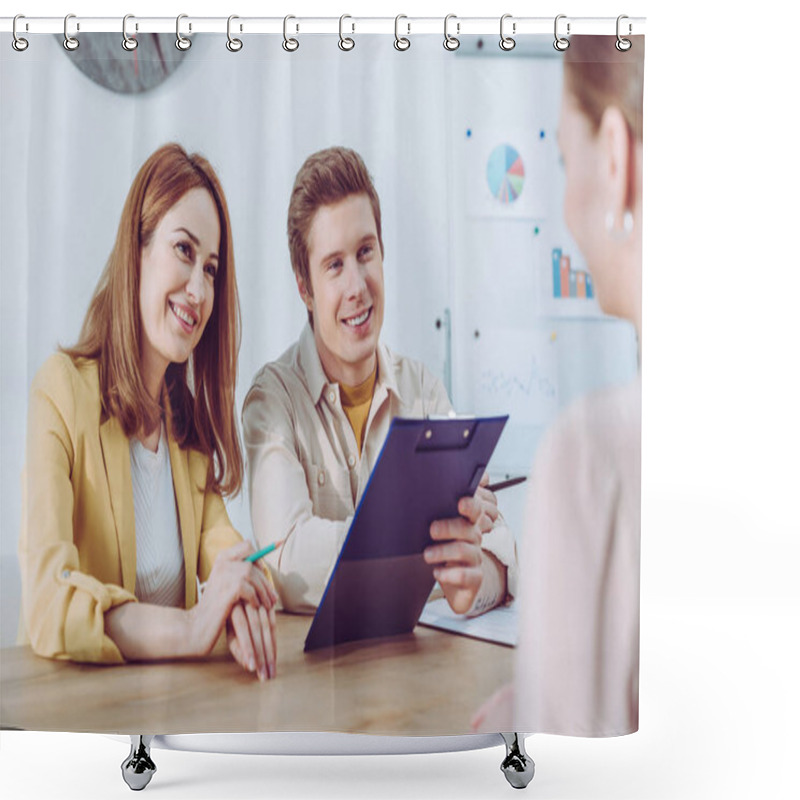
348	25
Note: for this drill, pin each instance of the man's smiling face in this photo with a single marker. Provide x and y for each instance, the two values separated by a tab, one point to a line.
346	297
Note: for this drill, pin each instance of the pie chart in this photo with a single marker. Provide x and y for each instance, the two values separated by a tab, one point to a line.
505	173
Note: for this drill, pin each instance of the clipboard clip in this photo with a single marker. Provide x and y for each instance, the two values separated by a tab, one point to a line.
456	433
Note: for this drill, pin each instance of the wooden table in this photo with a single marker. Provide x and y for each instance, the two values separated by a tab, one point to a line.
425	683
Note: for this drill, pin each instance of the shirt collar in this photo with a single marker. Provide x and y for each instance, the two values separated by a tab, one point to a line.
311	365
317	379
386	373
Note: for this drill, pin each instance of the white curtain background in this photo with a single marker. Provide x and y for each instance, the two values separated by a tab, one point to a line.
70	149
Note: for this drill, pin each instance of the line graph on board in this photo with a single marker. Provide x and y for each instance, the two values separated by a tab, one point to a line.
533	385
517	376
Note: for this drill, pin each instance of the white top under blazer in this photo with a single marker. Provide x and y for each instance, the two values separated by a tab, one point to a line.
159	554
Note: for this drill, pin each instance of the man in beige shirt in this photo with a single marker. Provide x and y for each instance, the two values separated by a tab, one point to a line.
316	419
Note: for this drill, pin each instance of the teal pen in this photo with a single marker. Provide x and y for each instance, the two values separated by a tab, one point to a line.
251	558
264	551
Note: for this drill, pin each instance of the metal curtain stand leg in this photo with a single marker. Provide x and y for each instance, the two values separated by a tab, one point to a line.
138	768
517	766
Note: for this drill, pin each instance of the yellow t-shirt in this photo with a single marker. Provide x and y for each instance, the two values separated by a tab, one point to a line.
356	402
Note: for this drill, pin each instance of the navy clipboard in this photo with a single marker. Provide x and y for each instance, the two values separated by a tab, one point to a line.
380	582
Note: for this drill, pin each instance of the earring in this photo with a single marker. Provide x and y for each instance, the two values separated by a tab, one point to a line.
627	225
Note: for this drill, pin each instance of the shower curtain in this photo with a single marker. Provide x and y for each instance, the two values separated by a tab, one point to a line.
489	297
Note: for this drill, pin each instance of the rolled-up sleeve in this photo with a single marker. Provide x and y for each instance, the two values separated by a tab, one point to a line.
280	503
501	544
63	608
216	533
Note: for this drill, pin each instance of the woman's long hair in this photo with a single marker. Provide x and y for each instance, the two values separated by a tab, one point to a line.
202	390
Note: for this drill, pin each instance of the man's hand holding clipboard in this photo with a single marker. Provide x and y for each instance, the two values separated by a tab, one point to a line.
460	564
421	518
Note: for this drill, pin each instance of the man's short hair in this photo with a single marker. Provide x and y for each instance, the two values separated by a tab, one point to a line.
327	177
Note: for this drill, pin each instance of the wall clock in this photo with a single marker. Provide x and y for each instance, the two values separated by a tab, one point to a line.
102	58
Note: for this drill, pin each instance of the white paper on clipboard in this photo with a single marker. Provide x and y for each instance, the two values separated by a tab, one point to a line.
498	625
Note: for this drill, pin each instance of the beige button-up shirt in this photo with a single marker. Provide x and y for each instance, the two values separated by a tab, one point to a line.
305	474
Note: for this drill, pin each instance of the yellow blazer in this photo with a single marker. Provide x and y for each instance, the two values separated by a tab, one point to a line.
77	547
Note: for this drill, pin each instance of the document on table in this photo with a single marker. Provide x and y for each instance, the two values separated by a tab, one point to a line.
498	625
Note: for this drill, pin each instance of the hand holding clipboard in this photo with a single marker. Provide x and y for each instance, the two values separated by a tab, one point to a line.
427	494
459	562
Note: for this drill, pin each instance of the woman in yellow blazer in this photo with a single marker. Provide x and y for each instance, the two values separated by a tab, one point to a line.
153	372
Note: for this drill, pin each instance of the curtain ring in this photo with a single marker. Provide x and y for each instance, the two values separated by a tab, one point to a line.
234	45
451	43
18	43
400	42
346	43
181	42
289	45
507	42
623	45
561	43
70	42
129	43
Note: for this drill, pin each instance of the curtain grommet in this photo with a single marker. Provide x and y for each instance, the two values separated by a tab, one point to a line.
234	45
623	45
561	43
451	43
345	42
17	42
289	44
181	42
401	43
129	43
507	43
70	42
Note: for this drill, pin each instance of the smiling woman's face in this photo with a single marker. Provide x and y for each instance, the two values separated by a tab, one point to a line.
346	272
176	286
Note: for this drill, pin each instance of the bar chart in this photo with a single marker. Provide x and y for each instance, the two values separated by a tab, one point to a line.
569	282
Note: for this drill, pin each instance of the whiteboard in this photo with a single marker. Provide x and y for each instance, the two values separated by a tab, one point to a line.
528	336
